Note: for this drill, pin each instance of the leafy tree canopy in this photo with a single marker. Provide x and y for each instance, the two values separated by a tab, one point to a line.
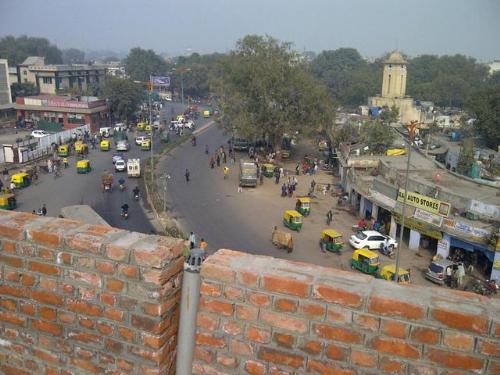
378	136
262	90
23	89
124	97
141	63
16	50
485	107
73	56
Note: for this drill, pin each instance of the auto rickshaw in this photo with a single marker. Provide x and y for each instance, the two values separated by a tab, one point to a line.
20	180
331	240
146	145
180	118
7	201
366	261
268	169
63	151
303	205
388	271
148	129
293	220
141	125
81	148
83	166
104	145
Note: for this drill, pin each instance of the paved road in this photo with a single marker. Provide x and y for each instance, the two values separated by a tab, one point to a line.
72	188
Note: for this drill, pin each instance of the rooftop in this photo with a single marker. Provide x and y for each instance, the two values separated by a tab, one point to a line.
395	58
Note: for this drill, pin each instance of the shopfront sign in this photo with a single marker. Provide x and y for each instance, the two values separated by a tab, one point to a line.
485	209
425	203
473	233
420	227
428	217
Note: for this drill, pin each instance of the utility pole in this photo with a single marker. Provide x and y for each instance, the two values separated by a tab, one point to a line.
151	125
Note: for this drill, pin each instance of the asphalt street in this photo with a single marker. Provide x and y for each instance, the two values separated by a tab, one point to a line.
72	188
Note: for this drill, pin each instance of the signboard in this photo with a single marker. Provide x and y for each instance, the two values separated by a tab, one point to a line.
485	209
423	228
473	233
428	217
425	203
66	104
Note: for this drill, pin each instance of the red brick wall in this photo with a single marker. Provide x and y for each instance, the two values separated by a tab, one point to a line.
260	315
78	298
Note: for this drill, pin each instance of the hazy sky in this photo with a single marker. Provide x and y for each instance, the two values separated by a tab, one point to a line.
470	27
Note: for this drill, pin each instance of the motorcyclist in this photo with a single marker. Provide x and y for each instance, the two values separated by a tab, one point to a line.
124	208
121	182
193	140
65	162
206	149
136	191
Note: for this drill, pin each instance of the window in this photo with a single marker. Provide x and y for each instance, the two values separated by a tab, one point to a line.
47	80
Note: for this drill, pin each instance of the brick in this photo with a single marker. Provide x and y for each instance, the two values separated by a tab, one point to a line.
13	276
155	341
285	285
84	337
215	306
126	334
461	321
12	318
48	284
211	289
338	314
117	253
88	278
227	361
11	261
363	358
337	295
367	322
84	262
8	246
28	279
247	278
28	308
86	365
203	354
283	321
394	328
114	285
113	346
284	340
8	304
396	347
11	370
336	352
392	307
45	237
494	367
64	258
150	325
87	323
454	360
47	313
46	254
337	333
240	348
490	348
259	299
458	341
217	272
257	334
280	357
209	340
255	368
47	298
207	322
232	327
393	366
66	317
130	272
157	251
50	328
246	312
312	310
425	335
285	305
47	269
13	226
6	290
325	368
108	299
84	308
105	267
233	293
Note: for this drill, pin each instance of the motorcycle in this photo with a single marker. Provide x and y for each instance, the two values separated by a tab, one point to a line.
122	187
491	286
136	196
387	251
124	214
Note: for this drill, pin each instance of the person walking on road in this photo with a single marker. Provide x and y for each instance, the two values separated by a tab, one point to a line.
187	175
44	210
212	162
203	244
218	160
226	172
329	217
192	240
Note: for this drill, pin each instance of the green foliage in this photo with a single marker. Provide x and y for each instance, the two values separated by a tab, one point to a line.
390	115
262	91
465	158
23	89
124	97
485	107
16	50
141	63
378	136
73	56
344	133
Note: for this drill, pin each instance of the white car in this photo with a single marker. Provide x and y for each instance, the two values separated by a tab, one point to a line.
138	140
116	157
120	165
122	145
39	133
372	240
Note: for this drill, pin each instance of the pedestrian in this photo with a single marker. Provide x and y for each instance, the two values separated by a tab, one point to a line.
448	276
315	168
329	217
192	240
282	172
277	175
44	210
295	183
460	274
212	162
261	178
297	169
324	190
224	157
240	189
218	160
313	184
283	190
290	190
187	175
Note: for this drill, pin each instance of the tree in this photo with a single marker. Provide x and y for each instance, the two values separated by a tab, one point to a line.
23	89
16	50
344	133
390	115
140	64
262	91
73	56
485	107
378	136
465	157
124	97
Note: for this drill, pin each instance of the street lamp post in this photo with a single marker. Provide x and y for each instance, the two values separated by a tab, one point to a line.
165	180
151	127
412	126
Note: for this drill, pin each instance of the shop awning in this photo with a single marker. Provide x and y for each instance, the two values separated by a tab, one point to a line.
456	242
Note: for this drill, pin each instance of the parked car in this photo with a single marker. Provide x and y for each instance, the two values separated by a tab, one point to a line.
39	133
372	240
139	139
122	145
436	272
116	157
120	165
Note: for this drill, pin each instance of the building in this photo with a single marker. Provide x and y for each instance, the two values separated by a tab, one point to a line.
494	66
394	90
62	112
52	79
5	94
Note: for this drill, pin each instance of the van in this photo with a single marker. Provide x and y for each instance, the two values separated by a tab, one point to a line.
248	173
105	132
436	272
240	144
134	167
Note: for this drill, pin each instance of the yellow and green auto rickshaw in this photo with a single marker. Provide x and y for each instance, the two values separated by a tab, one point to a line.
141	125
81	148
303	205
83	166
268	169
148	129
331	240
146	145
388	271
20	180
292	219
63	151
105	145
180	118
7	201
366	261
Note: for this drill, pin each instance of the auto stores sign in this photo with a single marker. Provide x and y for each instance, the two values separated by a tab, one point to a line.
423	202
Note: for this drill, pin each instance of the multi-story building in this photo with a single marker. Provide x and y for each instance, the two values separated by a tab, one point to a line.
5	94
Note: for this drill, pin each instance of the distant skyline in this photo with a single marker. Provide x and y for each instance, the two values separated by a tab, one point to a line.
373	27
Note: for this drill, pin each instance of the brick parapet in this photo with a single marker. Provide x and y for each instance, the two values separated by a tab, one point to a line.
261	315
78	298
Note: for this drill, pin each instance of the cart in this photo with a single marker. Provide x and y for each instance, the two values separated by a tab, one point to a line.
282	240
107	182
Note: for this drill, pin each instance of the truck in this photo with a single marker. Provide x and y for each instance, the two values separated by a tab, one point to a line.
248	173
134	167
240	144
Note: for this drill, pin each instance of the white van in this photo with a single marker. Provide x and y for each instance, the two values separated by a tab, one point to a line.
134	167
105	132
